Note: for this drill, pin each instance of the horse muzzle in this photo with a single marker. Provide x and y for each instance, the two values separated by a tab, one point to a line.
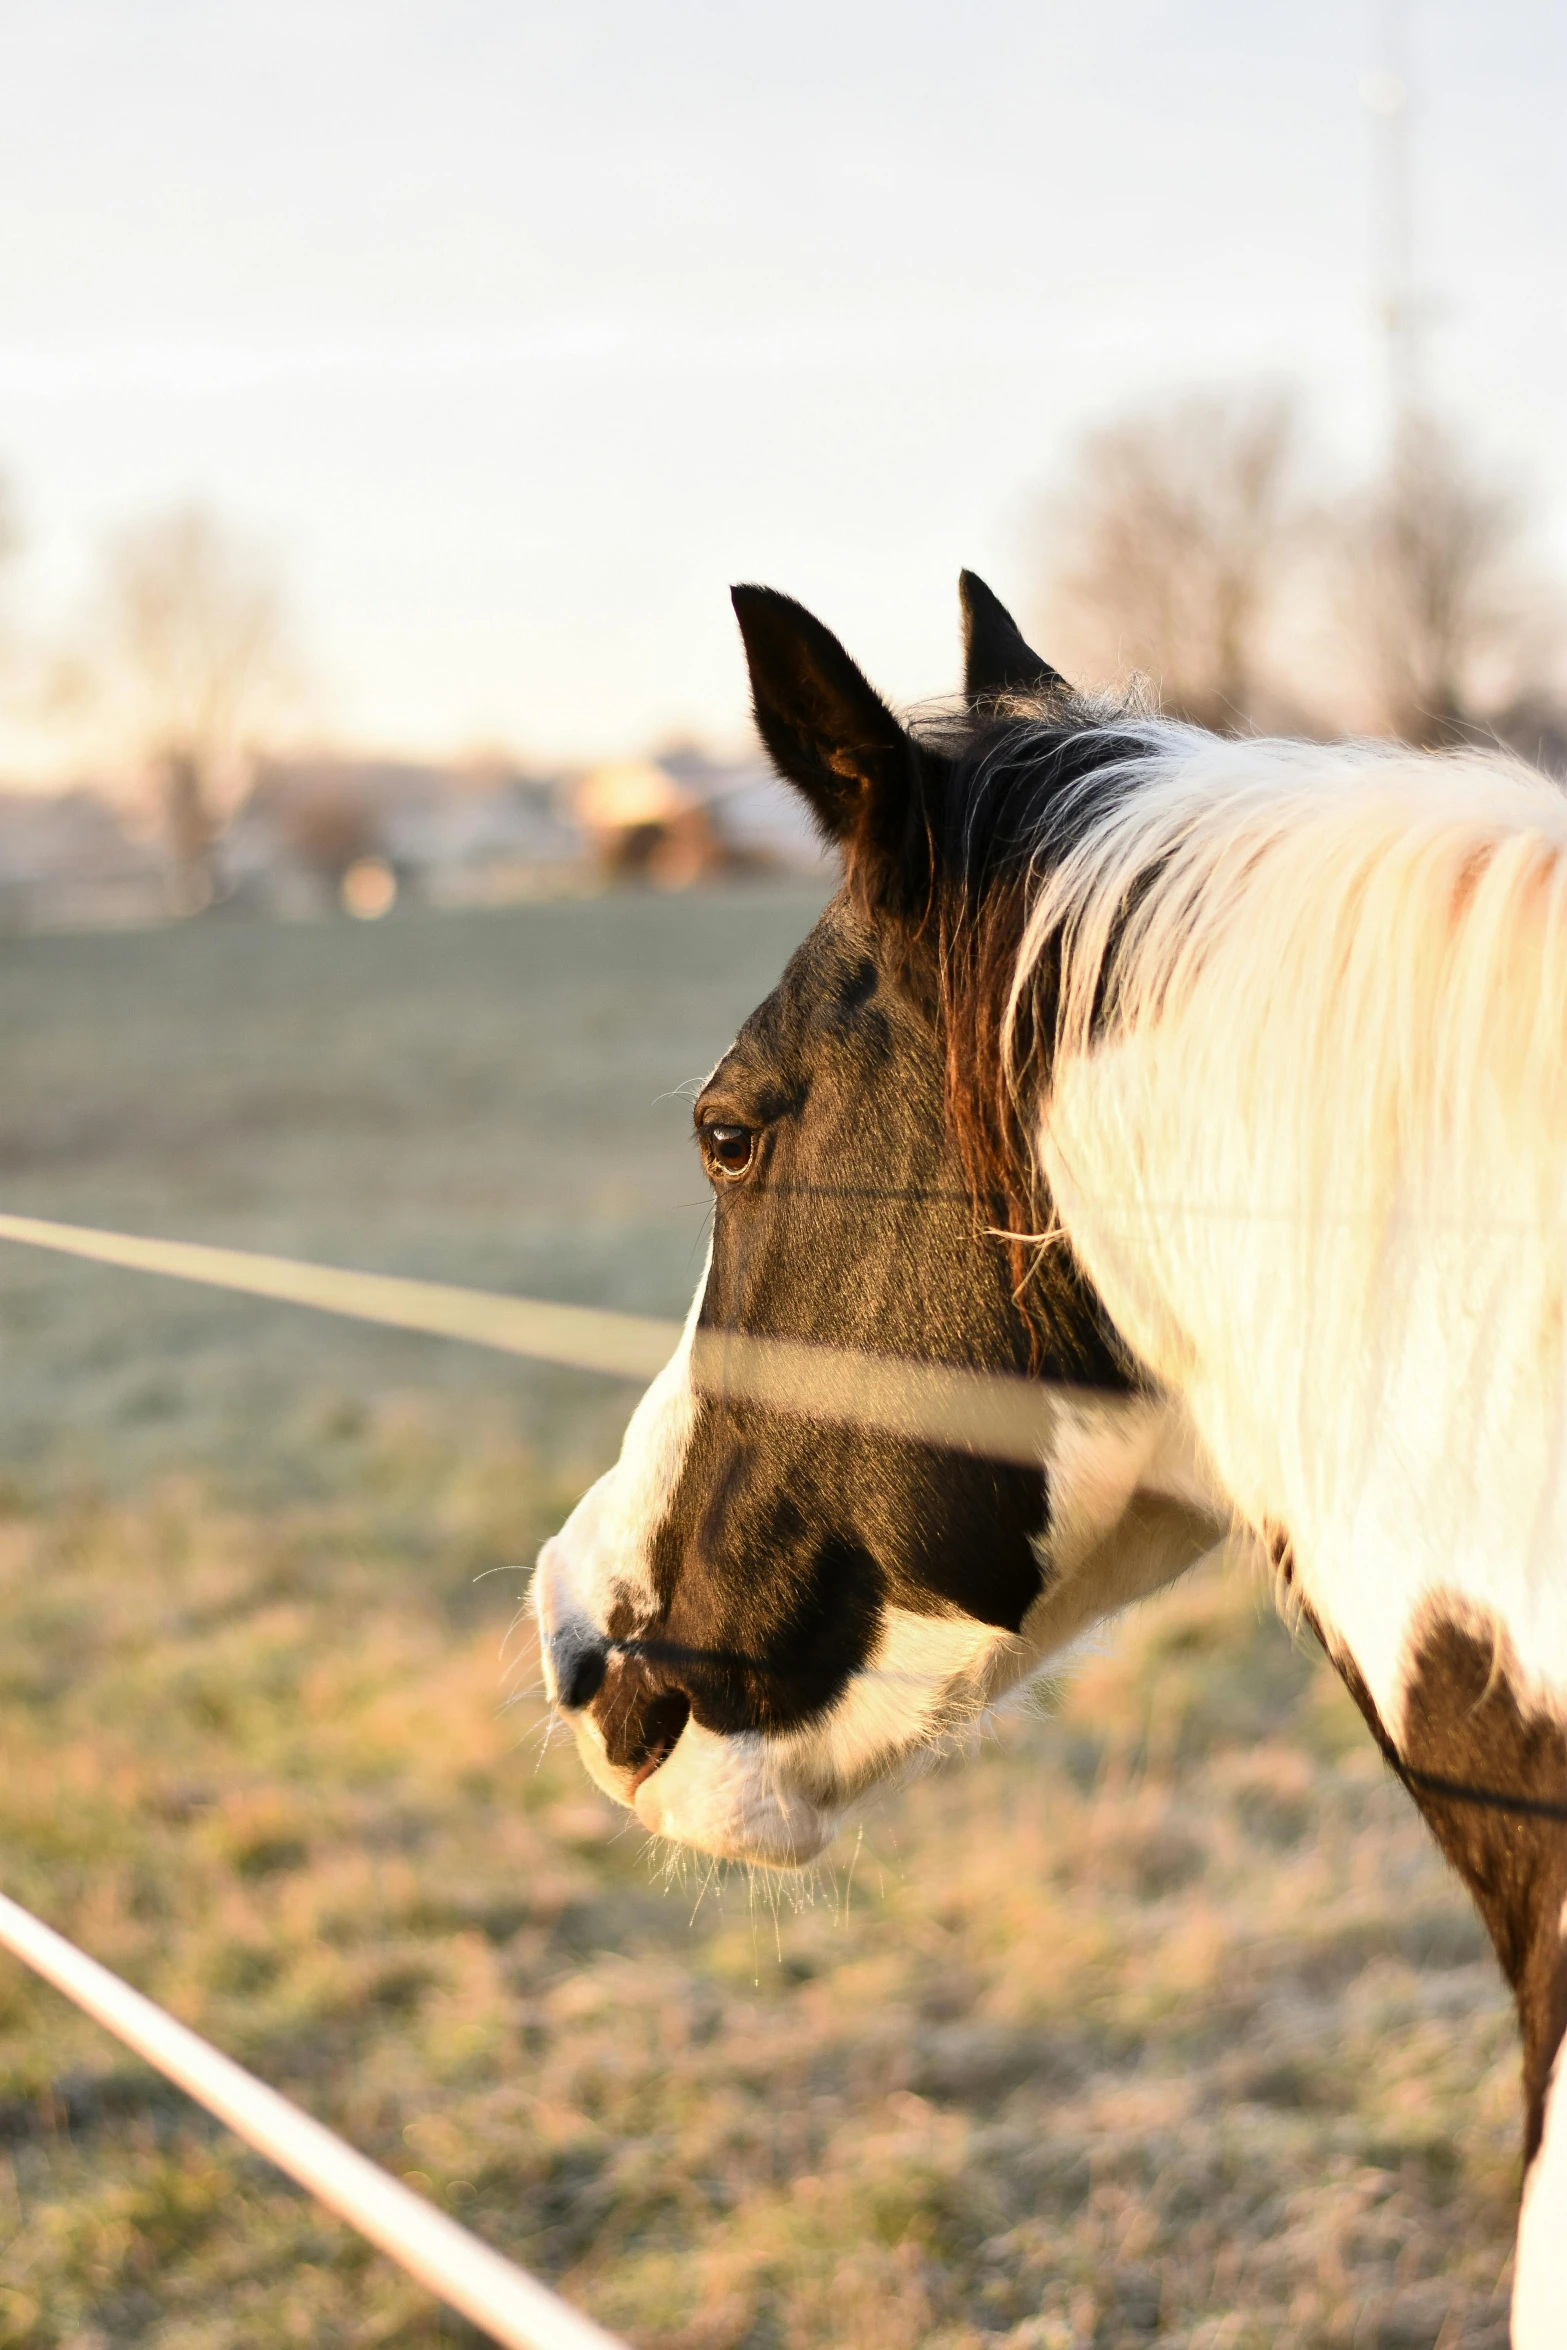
627	1715
635	1732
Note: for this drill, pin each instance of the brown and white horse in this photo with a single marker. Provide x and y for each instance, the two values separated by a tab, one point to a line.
1219	1084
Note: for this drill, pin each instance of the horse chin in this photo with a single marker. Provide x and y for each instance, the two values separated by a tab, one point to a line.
722	1796
716	1795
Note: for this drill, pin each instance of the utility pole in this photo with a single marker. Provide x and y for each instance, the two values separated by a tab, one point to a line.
1385	94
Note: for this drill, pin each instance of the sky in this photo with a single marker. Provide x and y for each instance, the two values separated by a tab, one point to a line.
515	332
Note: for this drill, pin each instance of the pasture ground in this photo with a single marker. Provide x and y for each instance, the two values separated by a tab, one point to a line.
1157	2021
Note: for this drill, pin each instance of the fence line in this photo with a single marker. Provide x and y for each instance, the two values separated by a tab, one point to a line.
994	1414
586	1338
986	1412
504	2300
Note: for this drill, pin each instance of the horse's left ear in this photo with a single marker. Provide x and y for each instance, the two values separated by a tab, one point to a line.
996	660
827	730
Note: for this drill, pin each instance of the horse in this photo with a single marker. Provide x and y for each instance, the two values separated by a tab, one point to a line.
1215	1087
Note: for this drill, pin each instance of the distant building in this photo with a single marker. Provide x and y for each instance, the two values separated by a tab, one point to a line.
316	835
687	817
762	820
643	824
67	862
448	836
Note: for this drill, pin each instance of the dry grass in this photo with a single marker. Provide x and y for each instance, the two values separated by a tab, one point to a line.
1158	2020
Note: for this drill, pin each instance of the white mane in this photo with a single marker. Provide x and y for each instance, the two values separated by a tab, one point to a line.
1307	1133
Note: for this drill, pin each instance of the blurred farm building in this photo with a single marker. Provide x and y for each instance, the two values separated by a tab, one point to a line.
67	862
492	834
451	836
320	833
686	817
643	823
762	824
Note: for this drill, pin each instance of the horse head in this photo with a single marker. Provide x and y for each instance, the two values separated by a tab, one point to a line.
761	1612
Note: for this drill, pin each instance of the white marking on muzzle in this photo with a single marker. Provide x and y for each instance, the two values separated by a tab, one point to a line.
603	1555
727	1796
1132	1507
779	1800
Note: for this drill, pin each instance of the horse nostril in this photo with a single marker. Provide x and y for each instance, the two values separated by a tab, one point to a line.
640	1718
659	1728
579	1673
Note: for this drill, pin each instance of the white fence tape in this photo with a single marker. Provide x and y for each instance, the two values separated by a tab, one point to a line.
986	1412
624	1346
506	2302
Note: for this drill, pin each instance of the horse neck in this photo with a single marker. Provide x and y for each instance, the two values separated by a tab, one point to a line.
1311	1161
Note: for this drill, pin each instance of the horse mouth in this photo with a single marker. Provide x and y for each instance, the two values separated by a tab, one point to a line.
661	1726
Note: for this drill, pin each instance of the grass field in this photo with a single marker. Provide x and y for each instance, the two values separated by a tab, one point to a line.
1158	2021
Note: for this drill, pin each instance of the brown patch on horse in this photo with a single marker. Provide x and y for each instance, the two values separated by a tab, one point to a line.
1463	1722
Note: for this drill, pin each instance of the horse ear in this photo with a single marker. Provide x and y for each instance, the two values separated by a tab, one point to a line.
996	660
827	730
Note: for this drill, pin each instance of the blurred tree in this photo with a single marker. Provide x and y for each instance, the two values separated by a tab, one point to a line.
1167	554
1448	625
190	663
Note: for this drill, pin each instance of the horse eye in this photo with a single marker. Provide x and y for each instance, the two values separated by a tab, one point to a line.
728	1150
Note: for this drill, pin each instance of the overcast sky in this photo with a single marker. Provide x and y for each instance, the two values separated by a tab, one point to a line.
517	331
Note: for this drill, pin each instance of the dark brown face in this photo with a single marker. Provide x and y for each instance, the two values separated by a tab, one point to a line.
840	1217
745	1567
758	1611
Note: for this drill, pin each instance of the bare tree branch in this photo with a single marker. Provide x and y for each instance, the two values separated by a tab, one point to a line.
1167	554
191	663
1447	623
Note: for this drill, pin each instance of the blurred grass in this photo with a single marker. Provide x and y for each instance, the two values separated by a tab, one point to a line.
1156	2021
480	1097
